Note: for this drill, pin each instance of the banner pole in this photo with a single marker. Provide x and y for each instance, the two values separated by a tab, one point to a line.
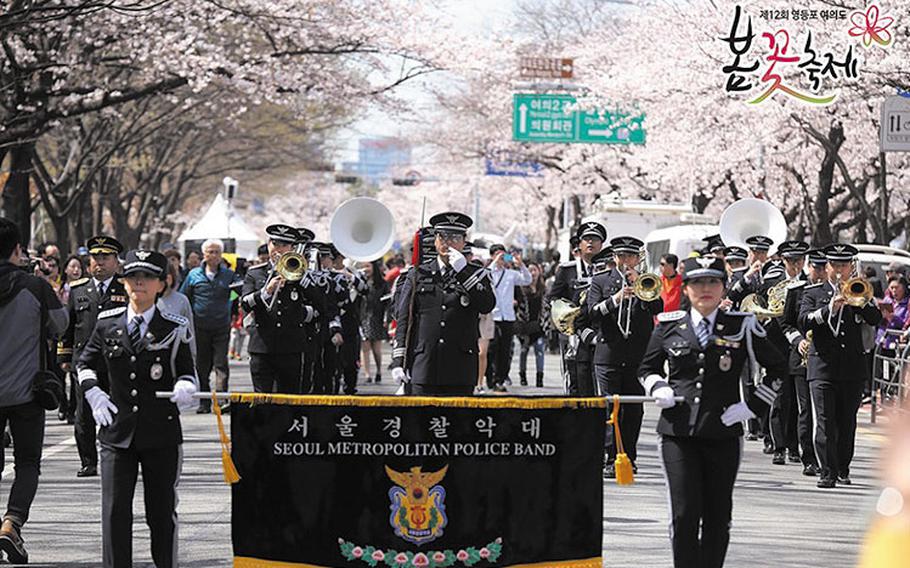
623	399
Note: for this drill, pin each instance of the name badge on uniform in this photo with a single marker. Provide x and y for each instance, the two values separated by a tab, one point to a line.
725	362
157	371
465	301
121	299
294	295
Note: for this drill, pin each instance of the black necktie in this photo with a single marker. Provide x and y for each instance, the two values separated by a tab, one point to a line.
136	331
101	289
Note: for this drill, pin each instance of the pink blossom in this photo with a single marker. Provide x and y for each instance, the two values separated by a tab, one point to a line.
461	556
439	557
484	552
378	555
357	552
401	558
420	559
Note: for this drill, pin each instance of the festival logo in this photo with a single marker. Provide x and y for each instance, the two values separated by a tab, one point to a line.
418	504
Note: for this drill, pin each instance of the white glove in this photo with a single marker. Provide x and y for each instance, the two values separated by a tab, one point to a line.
183	395
103	409
337	340
399	375
457	260
736	413
665	397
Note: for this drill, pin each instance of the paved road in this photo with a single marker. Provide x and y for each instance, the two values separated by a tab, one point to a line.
780	518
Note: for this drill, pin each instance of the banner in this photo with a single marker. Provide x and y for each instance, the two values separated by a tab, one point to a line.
401	482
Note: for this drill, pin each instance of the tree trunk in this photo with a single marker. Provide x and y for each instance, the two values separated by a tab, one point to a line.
822	234
16	199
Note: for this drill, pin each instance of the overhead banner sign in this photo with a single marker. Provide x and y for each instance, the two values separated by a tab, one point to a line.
403	482
550	118
547	67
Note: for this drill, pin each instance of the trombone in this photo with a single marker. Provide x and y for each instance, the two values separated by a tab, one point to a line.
291	266
646	288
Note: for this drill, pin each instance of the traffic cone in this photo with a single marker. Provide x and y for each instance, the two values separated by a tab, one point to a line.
622	465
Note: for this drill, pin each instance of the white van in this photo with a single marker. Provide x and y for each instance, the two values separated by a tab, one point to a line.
880	256
678	239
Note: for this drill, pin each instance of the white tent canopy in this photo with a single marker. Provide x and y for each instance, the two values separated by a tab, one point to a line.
222	222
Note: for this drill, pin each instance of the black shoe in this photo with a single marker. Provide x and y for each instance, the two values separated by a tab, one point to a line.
634	467
540	380
500	387
12	544
778	459
524	382
826	483
378	378
768	449
369	380
61	416
609	471
793	457
844	479
225	408
87	471
751	437
204	409
810	470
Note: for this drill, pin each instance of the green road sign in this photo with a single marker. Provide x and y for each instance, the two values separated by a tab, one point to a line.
548	118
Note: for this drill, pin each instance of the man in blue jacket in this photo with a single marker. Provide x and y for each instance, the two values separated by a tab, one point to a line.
208	289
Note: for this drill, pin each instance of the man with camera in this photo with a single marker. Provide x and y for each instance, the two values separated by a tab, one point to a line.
29	306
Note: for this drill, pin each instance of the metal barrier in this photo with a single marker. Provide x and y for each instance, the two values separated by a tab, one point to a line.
891	374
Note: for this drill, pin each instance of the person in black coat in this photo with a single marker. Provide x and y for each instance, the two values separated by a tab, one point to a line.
700	438
442	299
571	283
837	363
624	323
144	351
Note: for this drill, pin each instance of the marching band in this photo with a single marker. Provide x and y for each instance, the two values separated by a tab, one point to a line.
761	338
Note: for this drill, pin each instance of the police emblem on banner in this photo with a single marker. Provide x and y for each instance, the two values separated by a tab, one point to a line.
418	504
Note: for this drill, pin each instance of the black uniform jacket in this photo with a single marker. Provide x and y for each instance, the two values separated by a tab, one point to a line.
709	378
142	421
292	321
612	348
443	323
84	305
837	346
570	283
790	325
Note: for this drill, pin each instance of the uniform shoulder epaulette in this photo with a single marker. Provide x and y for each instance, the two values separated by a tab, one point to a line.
816	285
79	282
797	284
178	319
676	315
599	271
568	263
112	312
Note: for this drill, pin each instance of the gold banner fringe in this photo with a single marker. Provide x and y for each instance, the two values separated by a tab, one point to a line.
245	562
528	403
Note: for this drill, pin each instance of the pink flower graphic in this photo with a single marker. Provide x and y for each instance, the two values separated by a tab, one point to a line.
868	26
461	556
484	552
357	552
439	557
401	558
378	555
420	559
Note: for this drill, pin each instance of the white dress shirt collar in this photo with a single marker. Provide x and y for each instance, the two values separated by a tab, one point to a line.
697	317
147	316
106	283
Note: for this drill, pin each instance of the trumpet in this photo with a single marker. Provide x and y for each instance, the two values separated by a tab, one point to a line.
857	291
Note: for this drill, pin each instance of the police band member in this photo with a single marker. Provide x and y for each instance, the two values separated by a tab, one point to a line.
437	332
837	363
782	419
700	439
571	283
278	311
799	348
759	245
714	246
144	351
735	259
355	290
624	323
88	297
328	329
